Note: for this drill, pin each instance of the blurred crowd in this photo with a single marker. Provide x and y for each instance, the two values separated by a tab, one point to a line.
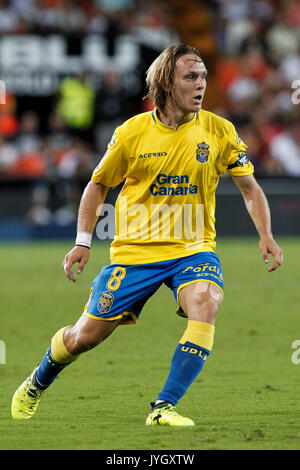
259	75
254	81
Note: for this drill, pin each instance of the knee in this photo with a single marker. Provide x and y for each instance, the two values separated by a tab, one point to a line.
200	301
77	341
203	310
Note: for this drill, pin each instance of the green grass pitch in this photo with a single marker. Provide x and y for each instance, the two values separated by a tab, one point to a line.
246	397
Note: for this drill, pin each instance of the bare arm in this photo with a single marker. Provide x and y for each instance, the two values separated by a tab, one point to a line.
92	199
258	208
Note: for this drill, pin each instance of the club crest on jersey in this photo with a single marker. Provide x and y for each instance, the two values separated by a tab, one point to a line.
105	302
202	152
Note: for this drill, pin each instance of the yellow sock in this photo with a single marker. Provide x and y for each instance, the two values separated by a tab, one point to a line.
199	333
59	351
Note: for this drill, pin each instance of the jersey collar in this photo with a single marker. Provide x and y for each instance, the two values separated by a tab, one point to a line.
163	126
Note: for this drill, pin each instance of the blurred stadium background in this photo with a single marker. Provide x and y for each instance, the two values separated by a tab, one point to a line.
72	70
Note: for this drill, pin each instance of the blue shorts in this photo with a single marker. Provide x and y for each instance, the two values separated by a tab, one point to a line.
121	291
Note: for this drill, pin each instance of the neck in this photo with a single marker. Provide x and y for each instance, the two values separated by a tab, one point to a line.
174	117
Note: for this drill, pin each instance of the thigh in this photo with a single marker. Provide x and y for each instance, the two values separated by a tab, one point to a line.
87	333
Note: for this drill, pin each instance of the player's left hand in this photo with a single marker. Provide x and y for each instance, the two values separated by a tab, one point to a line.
267	245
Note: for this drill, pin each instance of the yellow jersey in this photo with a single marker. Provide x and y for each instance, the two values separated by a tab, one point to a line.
166	208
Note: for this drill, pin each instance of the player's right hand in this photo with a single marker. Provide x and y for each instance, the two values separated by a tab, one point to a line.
78	254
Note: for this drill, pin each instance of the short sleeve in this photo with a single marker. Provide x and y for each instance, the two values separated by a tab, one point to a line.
112	168
235	154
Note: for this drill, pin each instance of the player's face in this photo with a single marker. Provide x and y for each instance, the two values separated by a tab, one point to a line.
190	82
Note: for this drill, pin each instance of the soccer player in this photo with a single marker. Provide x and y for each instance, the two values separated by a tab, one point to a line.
171	159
